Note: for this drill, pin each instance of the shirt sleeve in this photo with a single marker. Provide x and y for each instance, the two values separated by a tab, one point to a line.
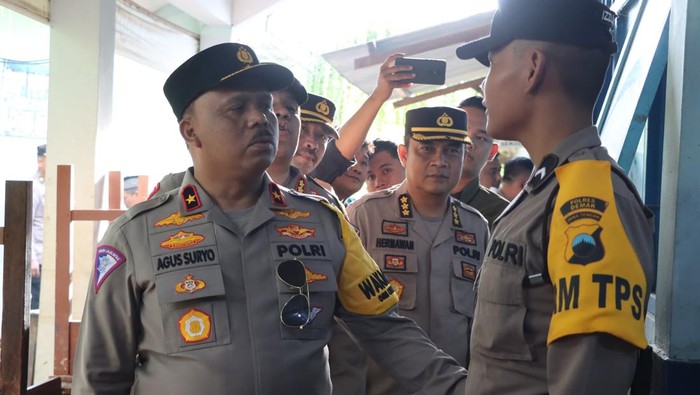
106	350
590	364
333	164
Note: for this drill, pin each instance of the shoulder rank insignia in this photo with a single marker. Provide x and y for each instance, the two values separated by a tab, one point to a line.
190	285
107	260
190	197
195	326
276	195
291	213
549	163
405	206
177	220
456	222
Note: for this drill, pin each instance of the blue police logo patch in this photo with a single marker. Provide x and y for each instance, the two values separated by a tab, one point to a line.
107	260
584	245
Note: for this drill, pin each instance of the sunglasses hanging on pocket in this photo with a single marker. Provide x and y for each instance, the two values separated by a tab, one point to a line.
296	312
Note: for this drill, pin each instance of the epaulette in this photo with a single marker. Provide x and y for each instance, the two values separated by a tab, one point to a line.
467	207
317	198
375	195
143	207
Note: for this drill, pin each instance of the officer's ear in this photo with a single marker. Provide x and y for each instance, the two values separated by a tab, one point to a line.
402	150
537	62
187	130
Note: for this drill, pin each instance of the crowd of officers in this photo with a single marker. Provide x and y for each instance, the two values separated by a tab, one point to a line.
246	274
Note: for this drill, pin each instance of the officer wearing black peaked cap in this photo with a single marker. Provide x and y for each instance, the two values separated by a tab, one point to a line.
561	296
229	283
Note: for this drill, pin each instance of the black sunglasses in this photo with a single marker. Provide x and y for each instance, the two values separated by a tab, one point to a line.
296	311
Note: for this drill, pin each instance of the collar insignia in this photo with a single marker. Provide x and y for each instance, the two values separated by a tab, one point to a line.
301	184
276	195
190	197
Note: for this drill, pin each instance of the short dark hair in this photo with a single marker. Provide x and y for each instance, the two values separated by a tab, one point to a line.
517	167
474	101
379	145
581	71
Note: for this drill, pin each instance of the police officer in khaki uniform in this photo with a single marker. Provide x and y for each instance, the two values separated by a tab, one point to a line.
229	283
429	244
562	293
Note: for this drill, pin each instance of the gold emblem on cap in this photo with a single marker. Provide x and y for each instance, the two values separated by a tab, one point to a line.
323	108
244	56
445	121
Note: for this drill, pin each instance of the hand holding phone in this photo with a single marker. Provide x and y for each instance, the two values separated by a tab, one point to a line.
427	71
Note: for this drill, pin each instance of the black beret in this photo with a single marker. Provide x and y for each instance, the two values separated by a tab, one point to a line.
319	109
582	23
437	123
221	65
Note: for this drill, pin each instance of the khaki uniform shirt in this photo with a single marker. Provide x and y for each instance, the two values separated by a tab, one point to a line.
514	309
488	203
433	275
186	303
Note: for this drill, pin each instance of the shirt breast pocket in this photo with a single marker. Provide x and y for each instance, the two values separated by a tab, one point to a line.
322	286
462	286
499	324
193	308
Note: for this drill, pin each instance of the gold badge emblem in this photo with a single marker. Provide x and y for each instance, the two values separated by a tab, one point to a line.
445	121
177	219
311	276
398	287
182	240
244	56
291	213
323	108
190	285
195	326
295	231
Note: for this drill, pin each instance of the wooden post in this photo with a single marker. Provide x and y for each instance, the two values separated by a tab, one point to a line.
62	309
16	279
114	190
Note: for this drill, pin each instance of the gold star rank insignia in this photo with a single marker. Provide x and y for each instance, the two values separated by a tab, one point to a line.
190	198
301	184
276	195
405	206
455	216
